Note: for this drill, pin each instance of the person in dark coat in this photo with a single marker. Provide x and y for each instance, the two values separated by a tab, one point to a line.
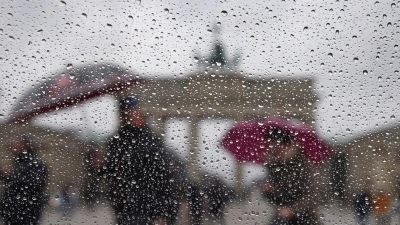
288	183
24	192
141	188
362	203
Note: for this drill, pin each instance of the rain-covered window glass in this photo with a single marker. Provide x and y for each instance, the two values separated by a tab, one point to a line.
199	112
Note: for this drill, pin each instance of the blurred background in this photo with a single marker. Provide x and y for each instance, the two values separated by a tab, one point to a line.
333	65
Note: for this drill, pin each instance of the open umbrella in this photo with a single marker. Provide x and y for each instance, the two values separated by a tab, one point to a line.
71	86
247	140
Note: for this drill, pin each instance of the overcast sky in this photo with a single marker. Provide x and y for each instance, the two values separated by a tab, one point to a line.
349	48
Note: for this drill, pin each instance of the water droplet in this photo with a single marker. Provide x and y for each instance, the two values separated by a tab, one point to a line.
69	66
109	25
224	13
393	5
305	28
392	117
9	15
166	11
355	59
63	3
218	24
11	38
330	55
365	72
84	15
138	2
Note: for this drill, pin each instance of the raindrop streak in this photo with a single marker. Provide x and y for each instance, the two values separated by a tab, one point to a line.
224	13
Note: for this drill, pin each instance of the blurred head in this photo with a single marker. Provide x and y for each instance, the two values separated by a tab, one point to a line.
130	112
282	146
20	144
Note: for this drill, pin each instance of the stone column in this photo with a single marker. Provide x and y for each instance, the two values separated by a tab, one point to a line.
239	169
192	166
157	125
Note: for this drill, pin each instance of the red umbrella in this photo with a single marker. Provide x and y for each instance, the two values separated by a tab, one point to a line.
71	86
247	140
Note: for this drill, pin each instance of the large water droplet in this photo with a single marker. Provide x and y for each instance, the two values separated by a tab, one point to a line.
365	72
224	13
166	11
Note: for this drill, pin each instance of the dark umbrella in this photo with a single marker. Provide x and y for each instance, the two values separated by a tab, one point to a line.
247	140
71	86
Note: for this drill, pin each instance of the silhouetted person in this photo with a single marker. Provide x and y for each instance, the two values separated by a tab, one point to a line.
218	196
287	185
362	203
94	160
140	187
25	183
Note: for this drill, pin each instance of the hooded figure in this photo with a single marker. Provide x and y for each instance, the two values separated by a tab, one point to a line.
25	184
139	173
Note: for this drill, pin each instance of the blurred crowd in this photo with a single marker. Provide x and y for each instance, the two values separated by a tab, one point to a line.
145	183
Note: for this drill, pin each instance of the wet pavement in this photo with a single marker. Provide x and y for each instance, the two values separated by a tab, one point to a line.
253	210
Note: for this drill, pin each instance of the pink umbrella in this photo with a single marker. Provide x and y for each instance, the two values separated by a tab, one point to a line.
247	140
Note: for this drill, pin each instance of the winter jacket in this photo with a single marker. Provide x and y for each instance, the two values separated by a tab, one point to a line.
291	182
24	192
139	175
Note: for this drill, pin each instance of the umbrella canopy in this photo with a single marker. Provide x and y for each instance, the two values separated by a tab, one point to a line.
247	140
71	86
